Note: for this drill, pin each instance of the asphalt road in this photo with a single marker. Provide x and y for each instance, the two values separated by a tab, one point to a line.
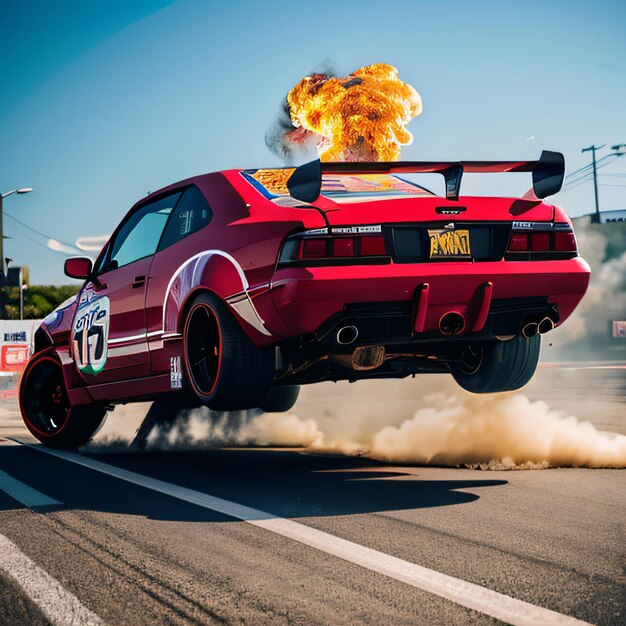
325	539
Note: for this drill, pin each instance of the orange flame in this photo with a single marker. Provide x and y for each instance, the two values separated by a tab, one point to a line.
362	117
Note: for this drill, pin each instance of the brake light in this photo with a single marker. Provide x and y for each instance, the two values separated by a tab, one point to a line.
342	247
543	241
339	245
373	246
519	242
565	242
313	248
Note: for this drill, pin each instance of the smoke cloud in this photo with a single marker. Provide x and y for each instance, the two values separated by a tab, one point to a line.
505	431
605	300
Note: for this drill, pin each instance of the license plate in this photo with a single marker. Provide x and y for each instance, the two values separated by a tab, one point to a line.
449	244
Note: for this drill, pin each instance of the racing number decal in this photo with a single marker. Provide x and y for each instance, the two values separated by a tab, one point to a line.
90	333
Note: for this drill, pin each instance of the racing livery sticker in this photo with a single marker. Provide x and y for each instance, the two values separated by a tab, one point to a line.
176	373
90	333
342	188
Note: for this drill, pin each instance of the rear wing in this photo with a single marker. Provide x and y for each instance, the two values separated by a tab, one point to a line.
305	184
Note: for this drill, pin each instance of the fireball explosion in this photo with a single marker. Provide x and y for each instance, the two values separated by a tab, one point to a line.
362	117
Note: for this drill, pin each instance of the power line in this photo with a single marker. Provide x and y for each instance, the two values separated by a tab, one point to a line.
577	184
584	178
38	232
42	245
599	163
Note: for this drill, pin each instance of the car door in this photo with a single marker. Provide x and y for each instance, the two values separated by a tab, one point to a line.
109	331
185	235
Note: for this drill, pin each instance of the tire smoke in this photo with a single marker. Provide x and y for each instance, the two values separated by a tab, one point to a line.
585	333
496	432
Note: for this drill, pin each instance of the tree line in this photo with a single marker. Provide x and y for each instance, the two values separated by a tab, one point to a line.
39	300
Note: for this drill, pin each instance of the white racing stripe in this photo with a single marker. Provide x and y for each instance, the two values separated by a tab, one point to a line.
23	493
461	592
59	606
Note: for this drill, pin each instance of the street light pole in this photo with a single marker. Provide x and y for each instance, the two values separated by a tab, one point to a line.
593	149
22	288
3	263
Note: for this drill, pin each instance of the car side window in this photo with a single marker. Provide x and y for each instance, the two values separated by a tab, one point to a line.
190	215
139	236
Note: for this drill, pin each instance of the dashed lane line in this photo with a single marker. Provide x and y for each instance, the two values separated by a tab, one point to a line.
469	595
23	493
58	605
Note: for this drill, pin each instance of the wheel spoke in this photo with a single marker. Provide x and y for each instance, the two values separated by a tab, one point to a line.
203	348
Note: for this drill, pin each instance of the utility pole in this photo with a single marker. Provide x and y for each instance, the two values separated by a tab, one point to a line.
3	267
593	149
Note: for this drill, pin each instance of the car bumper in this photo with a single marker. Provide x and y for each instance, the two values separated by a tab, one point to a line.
305	297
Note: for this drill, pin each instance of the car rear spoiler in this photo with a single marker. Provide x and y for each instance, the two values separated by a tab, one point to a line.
305	184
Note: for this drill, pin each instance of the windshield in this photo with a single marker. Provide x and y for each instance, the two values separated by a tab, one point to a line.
341	188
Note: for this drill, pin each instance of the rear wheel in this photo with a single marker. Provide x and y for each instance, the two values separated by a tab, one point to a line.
281	399
224	368
46	409
498	365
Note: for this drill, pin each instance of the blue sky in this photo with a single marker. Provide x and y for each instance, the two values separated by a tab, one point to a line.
105	101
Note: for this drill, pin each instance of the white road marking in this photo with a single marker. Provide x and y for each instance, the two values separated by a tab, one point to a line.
583	365
461	592
23	493
59	606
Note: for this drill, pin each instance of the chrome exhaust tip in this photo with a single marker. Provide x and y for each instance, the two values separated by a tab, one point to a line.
347	335
545	325
530	330
452	323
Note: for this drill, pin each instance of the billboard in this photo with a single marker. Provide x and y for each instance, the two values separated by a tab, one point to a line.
16	343
619	329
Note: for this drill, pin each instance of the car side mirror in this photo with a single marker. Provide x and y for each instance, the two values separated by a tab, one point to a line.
78	267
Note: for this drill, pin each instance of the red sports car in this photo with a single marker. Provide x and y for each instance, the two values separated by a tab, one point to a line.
231	289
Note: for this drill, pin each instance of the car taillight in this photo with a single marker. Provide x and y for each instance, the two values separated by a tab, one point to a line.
565	242
561	239
342	247
313	249
519	242
356	244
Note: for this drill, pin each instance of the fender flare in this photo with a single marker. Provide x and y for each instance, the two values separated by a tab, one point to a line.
214	270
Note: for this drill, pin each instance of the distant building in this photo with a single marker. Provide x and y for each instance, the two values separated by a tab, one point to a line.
606	217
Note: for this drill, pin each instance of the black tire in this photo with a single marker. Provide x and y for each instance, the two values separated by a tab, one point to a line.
46	409
498	365
224	368
281	399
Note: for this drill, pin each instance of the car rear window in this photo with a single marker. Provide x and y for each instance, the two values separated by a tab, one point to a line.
341	188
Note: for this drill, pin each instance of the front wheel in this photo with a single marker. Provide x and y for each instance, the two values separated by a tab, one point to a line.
46	409
498	365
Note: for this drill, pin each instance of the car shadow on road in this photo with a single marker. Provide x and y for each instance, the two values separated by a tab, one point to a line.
287	483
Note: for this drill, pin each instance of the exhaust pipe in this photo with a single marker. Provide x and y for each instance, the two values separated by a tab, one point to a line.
530	330
347	335
452	323
545	325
